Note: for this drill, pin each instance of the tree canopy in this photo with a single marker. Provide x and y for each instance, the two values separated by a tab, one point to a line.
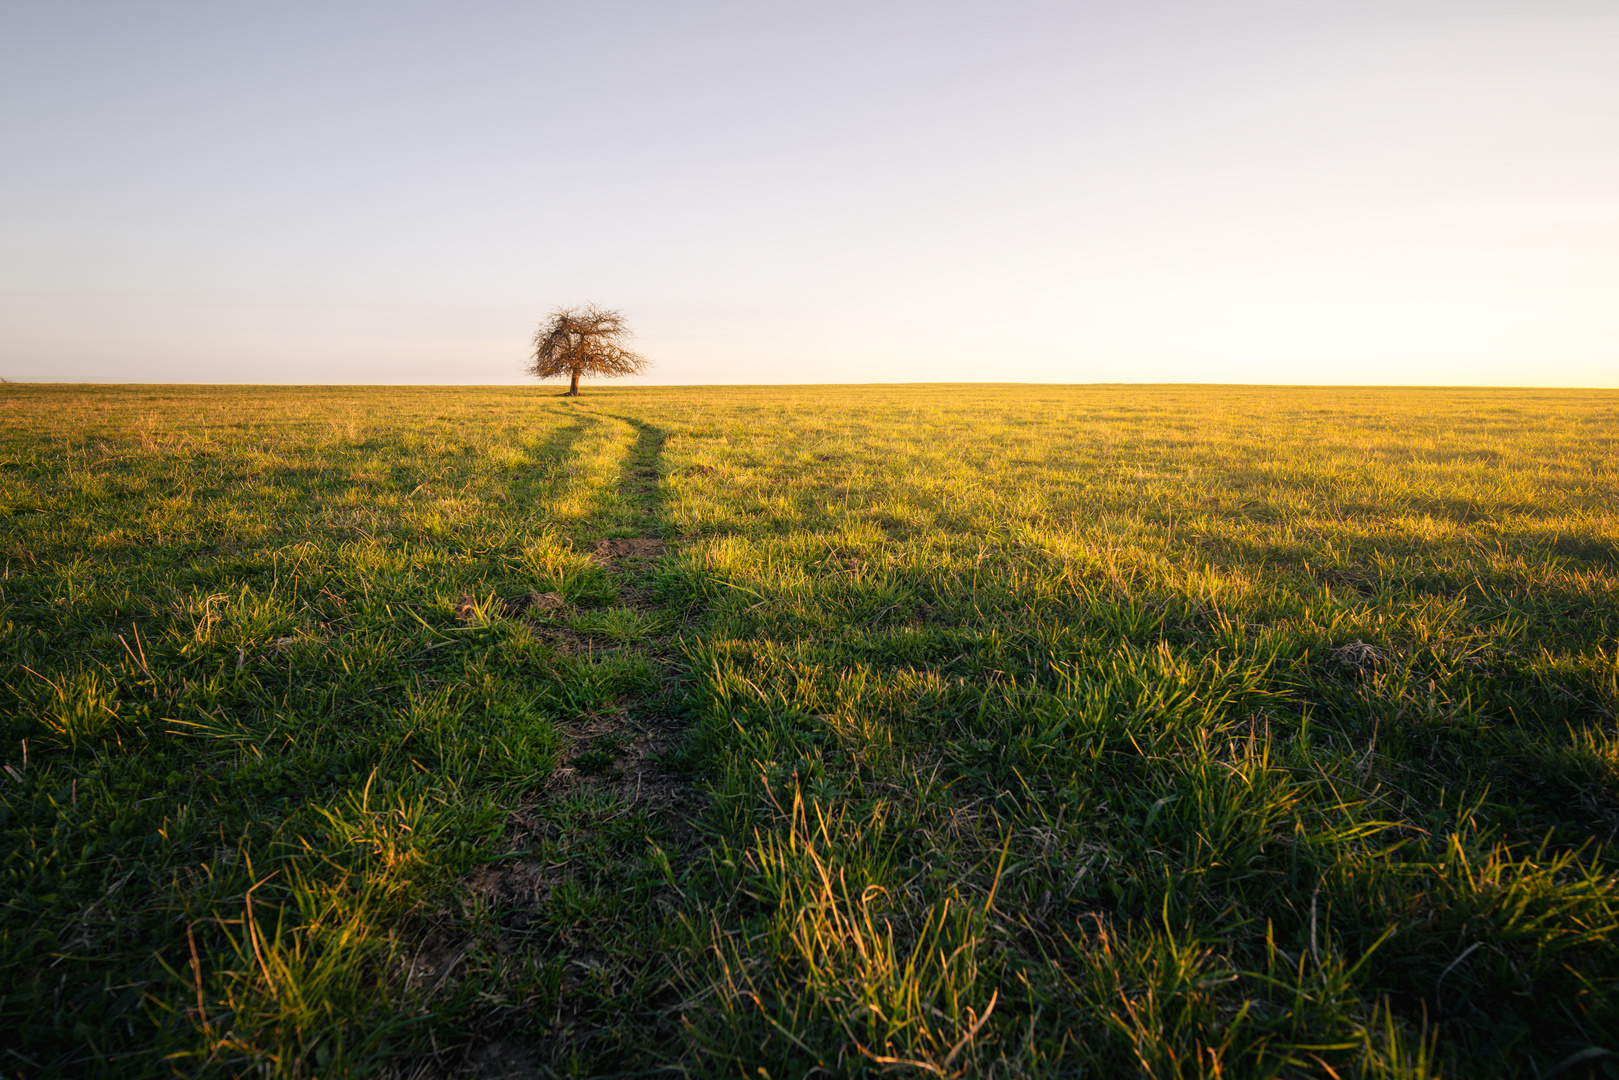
584	341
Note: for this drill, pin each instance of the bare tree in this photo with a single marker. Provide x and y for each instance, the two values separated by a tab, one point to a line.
583	341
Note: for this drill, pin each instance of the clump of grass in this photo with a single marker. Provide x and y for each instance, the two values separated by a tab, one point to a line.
619	624
599	755
80	712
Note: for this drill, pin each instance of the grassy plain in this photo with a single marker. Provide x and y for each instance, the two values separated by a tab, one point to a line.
986	731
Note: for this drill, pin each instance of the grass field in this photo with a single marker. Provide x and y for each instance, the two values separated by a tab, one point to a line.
980	731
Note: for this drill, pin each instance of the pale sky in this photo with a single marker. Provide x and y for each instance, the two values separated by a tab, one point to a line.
1278	191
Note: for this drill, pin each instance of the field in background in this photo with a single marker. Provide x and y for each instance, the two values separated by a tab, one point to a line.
1094	731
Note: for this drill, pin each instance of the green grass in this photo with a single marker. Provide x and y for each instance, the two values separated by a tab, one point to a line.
1106	731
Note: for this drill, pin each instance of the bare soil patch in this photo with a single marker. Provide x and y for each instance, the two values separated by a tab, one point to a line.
466	608
622	754
643	547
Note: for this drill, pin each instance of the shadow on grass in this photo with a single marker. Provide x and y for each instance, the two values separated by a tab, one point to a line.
532	487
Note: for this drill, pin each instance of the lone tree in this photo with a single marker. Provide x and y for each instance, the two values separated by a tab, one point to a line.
583	341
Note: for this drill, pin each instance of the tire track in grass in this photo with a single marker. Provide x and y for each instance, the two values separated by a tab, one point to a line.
580	905
623	751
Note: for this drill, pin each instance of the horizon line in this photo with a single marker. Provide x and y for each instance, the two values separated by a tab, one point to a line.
102	383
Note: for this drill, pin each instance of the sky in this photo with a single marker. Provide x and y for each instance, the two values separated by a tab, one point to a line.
1227	191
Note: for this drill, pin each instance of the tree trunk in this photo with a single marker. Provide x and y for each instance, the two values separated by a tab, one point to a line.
573	387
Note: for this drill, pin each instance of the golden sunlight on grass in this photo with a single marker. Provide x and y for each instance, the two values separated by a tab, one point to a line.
1168	731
